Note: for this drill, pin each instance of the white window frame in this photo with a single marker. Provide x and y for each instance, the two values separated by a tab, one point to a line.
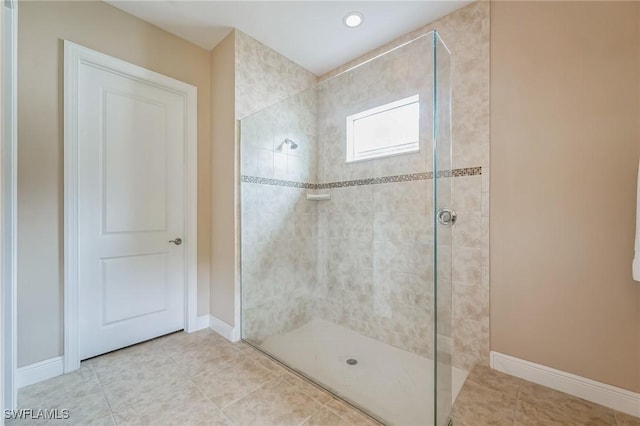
353	155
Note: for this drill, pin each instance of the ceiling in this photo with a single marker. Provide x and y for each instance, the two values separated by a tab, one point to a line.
310	33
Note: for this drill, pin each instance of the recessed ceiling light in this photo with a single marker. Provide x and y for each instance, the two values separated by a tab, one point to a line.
353	19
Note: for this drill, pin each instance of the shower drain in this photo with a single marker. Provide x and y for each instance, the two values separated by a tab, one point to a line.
352	361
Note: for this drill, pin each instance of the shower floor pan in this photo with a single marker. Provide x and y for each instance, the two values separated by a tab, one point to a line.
391	384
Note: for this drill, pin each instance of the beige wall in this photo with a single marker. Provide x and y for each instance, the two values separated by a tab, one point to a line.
223	178
564	155
42	27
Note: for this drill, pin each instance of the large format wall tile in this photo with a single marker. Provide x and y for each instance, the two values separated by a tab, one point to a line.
264	77
279	227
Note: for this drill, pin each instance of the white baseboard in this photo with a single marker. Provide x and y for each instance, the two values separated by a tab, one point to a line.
600	393
224	329
202	322
43	370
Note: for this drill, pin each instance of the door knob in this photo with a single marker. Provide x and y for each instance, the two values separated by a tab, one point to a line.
177	241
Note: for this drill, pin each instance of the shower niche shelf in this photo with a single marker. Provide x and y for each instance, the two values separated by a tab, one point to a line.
318	197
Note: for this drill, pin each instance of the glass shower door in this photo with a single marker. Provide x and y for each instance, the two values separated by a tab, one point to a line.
338	256
444	219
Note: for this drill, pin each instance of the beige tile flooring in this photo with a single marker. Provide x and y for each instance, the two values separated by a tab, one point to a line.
187	379
492	398
202	379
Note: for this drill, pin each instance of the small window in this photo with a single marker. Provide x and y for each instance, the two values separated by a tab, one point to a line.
385	130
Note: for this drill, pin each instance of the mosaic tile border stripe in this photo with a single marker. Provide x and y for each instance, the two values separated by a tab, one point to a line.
376	181
278	182
469	171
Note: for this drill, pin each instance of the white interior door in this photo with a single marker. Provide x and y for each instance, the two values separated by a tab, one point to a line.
131	137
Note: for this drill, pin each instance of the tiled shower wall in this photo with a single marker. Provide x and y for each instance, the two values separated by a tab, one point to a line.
375	241
264	77
278	229
279	226
466	33
368	269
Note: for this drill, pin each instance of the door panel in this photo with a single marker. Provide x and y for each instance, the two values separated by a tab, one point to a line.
134	201
140	278
131	199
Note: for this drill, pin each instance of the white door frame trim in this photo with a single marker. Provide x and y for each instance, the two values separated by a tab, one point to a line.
74	55
9	207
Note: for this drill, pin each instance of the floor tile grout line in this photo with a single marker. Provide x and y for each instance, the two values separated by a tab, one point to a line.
615	417
281	378
250	392
203	393
104	394
368	417
334	412
189	378
309	395
212	368
238	354
552	410
303	377
165	354
515	404
226	416
312	414
517	400
514	411
259	366
273	379
240	358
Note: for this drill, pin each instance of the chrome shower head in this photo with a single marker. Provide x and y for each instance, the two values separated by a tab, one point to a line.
292	144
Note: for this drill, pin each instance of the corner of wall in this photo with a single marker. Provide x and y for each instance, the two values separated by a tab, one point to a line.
638	135
264	77
223	177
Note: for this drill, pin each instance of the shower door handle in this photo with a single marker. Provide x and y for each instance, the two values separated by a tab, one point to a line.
446	217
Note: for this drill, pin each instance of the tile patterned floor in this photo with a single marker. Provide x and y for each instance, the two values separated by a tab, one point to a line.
202	379
187	379
492	398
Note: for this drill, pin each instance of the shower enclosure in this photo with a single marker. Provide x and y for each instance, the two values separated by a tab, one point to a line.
346	214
